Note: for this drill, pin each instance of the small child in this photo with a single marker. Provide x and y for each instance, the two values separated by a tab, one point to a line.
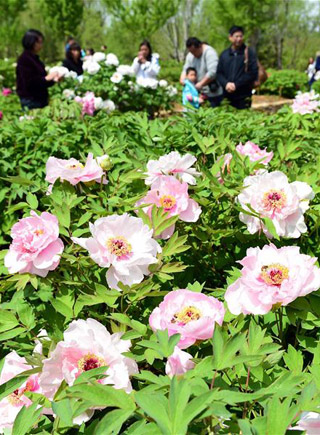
190	94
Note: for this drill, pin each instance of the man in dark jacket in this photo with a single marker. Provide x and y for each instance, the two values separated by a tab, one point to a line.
237	70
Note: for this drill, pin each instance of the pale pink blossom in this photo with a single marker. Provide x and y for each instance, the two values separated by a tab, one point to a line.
272	276
6	92
191	314
309	422
168	192
254	153
36	247
179	363
73	171
12	404
306	103
172	164
87	345
124	245
271	195
90	103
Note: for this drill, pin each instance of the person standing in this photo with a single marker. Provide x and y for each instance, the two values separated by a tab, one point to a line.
204	59
238	70
146	64
73	59
32	79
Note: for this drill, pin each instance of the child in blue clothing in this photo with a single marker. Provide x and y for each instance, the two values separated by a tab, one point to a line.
190	94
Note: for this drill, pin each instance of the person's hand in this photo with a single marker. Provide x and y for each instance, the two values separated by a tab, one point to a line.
189	98
198	86
230	87
141	57
52	76
201	100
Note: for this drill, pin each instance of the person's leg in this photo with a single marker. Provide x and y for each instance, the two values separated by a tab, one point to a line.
28	104
215	101
241	103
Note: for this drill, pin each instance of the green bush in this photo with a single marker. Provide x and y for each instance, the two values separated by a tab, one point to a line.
7	73
170	71
285	83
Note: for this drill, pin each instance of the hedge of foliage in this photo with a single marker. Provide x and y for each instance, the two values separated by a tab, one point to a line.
259	369
285	83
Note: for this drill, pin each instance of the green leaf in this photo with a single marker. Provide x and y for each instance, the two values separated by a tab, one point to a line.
26	419
32	201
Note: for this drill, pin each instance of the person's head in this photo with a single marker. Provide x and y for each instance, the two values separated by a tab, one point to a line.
74	52
103	47
194	46
191	74
33	40
90	52
236	36
145	49
311	60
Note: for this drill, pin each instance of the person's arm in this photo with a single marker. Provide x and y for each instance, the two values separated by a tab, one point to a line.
252	74
152	68
211	59
32	78
135	65
184	69
222	79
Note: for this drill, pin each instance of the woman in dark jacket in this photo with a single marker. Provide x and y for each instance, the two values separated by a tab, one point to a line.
73	59
32	79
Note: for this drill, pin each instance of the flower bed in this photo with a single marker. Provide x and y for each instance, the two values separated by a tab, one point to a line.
159	276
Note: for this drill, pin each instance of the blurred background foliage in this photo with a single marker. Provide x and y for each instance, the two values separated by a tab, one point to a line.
285	33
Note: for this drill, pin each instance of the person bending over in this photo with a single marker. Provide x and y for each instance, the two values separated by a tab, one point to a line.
146	64
237	70
204	59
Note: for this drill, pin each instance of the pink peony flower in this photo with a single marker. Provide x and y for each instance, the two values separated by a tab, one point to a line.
254	153
172	195
191	314
125	245
309	422
179	363
272	276
73	171
87	345
272	196
6	92
36	247
172	164
12	404
306	103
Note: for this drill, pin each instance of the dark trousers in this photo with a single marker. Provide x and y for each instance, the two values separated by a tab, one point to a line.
215	101
241	103
28	104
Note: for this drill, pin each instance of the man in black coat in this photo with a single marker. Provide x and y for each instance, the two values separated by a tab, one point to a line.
237	70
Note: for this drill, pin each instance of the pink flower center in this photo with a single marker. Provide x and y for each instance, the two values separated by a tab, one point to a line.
186	315
75	166
274	274
274	200
90	361
15	397
119	246
167	202
38	232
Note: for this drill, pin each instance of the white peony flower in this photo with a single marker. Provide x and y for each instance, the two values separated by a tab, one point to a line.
116	77
147	82
108	106
112	59
125	70
91	66
61	70
163	83
98	56
68	93
172	91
